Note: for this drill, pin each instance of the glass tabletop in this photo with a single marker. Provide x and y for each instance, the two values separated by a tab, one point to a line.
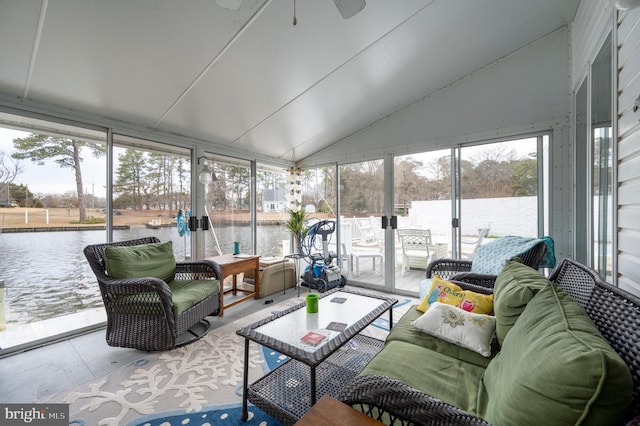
312	337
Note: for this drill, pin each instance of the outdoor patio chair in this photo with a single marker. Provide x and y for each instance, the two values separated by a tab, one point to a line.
474	244
416	248
480	273
352	256
368	233
153	303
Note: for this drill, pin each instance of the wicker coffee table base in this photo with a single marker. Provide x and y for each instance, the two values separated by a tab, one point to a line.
285	393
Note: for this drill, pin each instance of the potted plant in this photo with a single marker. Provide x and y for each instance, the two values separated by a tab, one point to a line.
296	226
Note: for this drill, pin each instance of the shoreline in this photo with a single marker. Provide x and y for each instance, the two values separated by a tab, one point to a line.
15	230
21	220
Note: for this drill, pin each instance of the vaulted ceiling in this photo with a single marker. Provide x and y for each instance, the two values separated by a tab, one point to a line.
248	79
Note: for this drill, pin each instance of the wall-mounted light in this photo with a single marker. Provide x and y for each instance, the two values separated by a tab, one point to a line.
206	175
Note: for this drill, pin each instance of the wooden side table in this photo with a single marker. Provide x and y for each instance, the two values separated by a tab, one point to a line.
330	412
232	265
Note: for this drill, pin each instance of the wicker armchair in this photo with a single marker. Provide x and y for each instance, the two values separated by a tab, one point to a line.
140	310
460	270
394	403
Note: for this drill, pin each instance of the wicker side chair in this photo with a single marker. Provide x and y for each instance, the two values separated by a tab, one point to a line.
460	270
140	311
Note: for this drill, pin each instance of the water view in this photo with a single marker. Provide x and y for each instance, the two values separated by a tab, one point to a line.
46	274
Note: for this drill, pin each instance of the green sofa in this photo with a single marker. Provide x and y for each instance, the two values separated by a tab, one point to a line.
549	364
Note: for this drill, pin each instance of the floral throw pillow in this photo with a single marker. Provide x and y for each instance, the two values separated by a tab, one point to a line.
457	326
446	292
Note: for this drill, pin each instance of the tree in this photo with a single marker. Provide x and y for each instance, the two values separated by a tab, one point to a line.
525	178
10	168
408	183
22	195
440	184
131	185
64	151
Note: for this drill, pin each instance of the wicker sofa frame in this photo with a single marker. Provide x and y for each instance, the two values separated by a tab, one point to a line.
460	270
615	312
147	321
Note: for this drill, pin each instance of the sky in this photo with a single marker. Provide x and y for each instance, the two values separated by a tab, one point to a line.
51	178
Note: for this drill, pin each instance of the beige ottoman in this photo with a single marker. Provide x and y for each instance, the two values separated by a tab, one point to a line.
276	274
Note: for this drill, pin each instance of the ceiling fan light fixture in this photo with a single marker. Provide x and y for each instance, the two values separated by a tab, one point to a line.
349	8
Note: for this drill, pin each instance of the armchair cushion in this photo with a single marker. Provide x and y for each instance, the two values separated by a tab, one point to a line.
186	293
146	260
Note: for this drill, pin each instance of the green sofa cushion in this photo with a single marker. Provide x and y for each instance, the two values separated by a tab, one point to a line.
441	376
186	293
146	260
555	368
514	287
404	331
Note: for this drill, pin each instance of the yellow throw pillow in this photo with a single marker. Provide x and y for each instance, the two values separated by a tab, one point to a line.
448	293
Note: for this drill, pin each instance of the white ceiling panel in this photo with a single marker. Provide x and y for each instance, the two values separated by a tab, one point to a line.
129	59
275	62
240	74
18	27
399	69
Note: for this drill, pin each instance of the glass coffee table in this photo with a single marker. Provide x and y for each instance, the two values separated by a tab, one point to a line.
315	369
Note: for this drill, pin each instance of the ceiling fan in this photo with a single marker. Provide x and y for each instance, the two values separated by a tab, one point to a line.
347	8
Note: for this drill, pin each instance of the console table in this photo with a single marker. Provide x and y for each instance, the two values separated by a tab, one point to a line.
231	264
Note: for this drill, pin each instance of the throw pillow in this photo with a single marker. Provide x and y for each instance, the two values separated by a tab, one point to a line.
451	294
145	260
462	328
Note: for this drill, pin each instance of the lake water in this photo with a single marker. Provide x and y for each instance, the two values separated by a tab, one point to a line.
46	274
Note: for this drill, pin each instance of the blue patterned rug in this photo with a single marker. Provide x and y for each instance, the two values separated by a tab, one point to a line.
225	414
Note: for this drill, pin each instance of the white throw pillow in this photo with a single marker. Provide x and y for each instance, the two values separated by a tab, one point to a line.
466	329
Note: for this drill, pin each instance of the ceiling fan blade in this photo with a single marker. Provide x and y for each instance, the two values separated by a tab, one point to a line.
349	8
